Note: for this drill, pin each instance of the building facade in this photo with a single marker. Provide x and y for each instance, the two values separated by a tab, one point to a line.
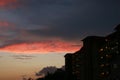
98	59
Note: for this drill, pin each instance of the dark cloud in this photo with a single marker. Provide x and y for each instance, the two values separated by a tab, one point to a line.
10	42
73	20
37	20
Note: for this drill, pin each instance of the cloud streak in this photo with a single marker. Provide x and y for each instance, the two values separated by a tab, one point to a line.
23	57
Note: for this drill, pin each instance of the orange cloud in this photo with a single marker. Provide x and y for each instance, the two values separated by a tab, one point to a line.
42	47
9	3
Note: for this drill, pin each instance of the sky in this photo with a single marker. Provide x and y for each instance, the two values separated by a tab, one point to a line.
38	33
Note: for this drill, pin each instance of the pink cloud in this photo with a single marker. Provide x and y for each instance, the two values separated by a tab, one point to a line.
42	47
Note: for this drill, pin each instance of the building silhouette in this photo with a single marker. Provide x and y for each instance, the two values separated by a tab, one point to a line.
98	59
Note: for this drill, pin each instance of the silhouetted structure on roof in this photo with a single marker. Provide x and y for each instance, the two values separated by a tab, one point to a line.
117	27
98	59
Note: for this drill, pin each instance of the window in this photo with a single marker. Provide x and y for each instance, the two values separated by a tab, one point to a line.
107	64
106	47
117	52
115	66
101	49
117	43
106	40
107	72
102	73
101	57
108	56
102	65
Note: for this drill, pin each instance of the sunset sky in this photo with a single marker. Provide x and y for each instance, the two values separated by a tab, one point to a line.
38	33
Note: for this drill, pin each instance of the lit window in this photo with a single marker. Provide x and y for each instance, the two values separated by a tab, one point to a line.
101	57
106	39
107	72
112	48
101	49
108	56
117	43
115	65
77	65
117	52
107	64
106	47
103	73
102	65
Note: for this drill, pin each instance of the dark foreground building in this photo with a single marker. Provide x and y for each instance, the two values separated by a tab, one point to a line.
98	59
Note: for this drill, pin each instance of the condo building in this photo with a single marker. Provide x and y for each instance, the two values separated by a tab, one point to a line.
98	59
